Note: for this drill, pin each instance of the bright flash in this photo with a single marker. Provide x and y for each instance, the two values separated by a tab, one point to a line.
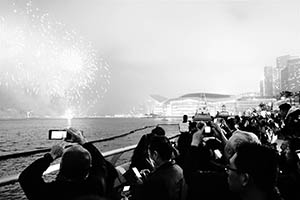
68	114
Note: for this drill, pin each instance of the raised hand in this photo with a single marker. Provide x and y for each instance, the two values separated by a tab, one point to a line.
197	137
75	136
56	151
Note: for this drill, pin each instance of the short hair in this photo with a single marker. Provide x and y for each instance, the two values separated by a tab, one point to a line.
260	162
75	163
185	117
239	137
162	145
285	106
158	131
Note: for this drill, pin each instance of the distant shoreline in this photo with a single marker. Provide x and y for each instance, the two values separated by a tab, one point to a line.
91	117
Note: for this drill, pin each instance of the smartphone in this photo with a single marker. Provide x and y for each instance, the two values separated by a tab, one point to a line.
132	175
57	134
298	153
218	153
207	129
126	188
136	172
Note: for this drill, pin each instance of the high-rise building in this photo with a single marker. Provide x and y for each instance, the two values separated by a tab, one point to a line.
290	76
268	81
281	63
276	81
261	88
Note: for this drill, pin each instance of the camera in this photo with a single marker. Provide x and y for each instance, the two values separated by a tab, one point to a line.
58	134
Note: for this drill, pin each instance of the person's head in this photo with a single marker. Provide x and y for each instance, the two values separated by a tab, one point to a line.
292	122
238	137
75	163
283	109
160	149
158	131
253	167
289	155
185	118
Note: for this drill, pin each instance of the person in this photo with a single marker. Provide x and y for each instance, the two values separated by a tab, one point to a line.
203	172
184	139
290	116
284	109
238	138
83	171
184	125
166	181
253	171
140	157
289	177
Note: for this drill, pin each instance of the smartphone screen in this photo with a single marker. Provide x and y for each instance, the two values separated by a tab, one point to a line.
57	134
126	188
298	153
207	129
136	172
218	153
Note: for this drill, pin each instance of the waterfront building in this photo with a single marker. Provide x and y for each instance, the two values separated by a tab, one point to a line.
188	104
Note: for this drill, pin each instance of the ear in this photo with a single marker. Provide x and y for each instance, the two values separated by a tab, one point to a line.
245	179
155	154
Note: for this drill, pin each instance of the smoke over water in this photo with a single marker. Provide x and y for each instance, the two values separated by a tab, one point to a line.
45	68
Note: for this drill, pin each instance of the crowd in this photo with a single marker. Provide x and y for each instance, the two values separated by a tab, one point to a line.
237	157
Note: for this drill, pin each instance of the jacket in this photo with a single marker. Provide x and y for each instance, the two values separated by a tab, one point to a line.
99	182
164	183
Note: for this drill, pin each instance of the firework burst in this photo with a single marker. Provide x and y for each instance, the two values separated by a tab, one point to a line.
41	59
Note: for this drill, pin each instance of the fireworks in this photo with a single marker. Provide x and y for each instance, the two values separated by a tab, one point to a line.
41	59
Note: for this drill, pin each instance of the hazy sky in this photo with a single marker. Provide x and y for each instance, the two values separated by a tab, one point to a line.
171	48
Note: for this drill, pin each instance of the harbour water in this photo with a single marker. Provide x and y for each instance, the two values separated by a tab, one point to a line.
17	135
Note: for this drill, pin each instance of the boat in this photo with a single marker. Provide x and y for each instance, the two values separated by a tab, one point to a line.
223	113
202	114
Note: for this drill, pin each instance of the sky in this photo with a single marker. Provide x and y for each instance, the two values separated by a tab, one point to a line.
141	47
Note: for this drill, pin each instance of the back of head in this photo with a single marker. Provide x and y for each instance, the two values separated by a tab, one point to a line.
260	162
185	118
292	122
162	145
158	131
239	137
75	163
285	106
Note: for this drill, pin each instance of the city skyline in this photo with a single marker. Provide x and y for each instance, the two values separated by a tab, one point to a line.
142	47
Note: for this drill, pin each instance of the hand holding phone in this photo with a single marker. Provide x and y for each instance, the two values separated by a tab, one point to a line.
133	176
75	136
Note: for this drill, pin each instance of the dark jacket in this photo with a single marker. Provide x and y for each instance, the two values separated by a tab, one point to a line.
99	182
164	183
204	179
289	185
